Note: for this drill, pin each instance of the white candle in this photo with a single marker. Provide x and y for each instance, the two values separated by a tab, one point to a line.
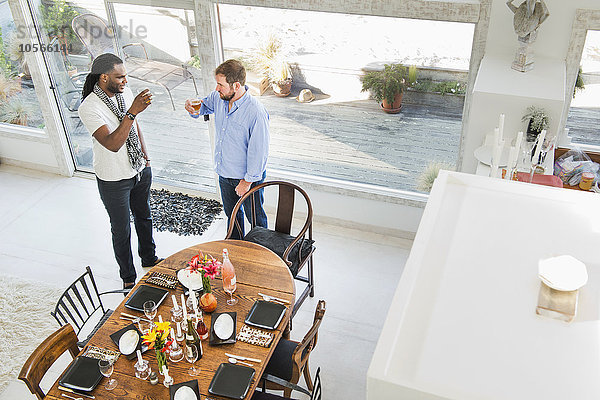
501	127
179	334
496	137
173	333
175	305
166	372
183	306
519	141
160	319
496	154
538	149
139	356
512	158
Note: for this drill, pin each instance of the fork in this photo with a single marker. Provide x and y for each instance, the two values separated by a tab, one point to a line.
275	299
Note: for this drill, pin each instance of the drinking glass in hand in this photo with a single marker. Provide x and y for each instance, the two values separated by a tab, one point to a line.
196	104
191	356
150	310
106	369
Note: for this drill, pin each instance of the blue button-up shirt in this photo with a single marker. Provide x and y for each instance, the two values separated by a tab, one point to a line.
242	137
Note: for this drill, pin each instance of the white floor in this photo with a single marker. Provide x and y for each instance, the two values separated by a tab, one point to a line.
51	227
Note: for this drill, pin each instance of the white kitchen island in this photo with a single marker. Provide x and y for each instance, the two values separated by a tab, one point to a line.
462	323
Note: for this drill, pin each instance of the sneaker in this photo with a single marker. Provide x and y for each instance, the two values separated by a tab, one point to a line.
157	261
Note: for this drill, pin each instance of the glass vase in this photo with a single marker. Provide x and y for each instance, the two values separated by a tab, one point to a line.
161	359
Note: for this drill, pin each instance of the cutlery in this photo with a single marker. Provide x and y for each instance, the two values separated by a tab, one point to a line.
235	361
242	358
71	397
133	317
270	298
74	392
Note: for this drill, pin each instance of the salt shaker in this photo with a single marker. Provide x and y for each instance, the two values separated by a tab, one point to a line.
153	378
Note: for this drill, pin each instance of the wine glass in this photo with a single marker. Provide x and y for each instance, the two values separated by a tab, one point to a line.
191	355
150	310
106	369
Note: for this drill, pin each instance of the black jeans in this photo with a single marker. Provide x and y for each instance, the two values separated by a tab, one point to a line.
229	198
119	198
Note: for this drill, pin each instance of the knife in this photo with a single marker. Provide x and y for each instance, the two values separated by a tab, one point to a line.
242	358
75	392
134	317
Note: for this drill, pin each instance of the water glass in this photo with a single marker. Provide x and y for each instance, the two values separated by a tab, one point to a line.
191	356
150	309
106	369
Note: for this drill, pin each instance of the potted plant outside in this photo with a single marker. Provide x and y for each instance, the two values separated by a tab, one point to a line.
15	111
537	120
387	86
270	60
579	84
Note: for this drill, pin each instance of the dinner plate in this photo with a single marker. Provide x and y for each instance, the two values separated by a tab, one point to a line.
221	323
185	391
83	374
231	380
265	314
484	155
191	280
116	338
564	273
144	293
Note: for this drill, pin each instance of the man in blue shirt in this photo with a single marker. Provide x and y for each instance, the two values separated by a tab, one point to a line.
241	141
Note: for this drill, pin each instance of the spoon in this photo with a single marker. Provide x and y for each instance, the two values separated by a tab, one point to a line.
70	397
234	361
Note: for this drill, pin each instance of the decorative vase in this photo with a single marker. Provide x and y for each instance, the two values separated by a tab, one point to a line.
208	302
395	107
531	133
161	359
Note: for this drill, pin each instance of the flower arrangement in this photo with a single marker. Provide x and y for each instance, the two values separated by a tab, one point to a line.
158	339
208	266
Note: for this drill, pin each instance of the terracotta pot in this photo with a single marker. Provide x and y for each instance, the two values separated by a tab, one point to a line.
395	107
208	302
282	89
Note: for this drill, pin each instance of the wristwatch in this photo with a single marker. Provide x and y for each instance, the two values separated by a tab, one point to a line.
130	115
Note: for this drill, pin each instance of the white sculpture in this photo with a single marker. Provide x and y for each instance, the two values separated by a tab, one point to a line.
528	18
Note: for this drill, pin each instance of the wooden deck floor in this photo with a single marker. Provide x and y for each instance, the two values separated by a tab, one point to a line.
352	141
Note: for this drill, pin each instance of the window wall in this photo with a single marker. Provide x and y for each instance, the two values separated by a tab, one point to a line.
18	101
342	134
584	114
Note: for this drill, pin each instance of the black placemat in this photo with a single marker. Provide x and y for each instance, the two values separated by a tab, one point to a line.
144	293
231	380
83	374
193	384
213	338
265	314
117	336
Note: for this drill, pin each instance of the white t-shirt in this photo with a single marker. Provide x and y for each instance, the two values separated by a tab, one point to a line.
108	165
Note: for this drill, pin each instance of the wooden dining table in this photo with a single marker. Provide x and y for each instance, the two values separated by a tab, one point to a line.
257	270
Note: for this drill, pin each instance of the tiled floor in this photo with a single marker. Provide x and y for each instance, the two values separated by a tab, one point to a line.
52	226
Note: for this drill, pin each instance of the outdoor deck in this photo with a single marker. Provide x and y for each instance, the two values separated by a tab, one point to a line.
353	141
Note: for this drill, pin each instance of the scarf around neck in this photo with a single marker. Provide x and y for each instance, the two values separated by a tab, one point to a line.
134	147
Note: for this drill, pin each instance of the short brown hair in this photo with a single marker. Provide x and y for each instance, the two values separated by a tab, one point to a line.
233	71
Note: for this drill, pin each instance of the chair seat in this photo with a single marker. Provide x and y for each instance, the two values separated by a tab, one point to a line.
104	318
278	242
266	396
281	364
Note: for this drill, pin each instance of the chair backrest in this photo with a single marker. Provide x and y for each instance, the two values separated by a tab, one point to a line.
316	393
285	209
79	302
308	343
94	33
45	355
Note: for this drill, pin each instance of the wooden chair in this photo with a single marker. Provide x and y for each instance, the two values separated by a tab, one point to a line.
80	302
290	358
315	395
45	355
295	250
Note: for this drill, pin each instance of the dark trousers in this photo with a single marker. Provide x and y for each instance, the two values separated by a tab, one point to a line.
119	198
229	198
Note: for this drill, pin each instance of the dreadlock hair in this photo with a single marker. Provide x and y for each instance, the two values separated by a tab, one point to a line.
102	64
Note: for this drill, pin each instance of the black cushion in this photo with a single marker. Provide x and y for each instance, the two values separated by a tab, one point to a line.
277	242
280	363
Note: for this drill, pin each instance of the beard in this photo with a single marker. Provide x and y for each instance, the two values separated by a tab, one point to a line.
227	97
113	87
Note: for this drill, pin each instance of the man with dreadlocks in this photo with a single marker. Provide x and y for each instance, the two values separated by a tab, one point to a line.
121	161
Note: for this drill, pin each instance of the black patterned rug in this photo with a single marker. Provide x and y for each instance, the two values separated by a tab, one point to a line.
182	214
